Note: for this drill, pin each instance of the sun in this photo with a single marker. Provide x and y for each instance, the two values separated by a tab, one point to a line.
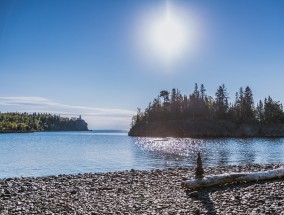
168	36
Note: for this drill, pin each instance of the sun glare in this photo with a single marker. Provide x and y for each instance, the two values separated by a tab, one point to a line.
166	34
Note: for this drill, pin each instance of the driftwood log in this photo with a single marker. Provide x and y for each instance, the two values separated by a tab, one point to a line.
198	183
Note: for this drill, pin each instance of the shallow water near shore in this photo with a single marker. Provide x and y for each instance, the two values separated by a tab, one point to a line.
53	153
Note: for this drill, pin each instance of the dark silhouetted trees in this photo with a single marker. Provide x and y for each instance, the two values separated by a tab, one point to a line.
199	106
273	111
221	103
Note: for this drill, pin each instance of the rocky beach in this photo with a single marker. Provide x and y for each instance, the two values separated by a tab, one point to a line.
140	192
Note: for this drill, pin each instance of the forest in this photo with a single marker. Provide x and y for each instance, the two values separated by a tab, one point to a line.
199	107
25	122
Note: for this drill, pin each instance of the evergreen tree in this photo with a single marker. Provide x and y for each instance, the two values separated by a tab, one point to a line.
260	111
165	95
273	111
221	102
196	91
202	91
247	106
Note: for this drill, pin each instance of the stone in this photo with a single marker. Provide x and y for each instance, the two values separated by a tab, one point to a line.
140	192
73	192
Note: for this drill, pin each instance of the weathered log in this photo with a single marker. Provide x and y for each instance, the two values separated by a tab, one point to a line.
194	184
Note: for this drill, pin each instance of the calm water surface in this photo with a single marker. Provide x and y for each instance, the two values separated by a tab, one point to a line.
42	154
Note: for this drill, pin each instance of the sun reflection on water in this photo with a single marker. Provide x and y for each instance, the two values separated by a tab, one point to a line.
223	151
176	146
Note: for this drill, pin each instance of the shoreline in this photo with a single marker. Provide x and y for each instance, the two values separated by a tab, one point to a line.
26	132
207	137
156	191
206	129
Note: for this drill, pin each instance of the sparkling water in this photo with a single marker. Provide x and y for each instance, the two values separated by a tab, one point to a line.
53	153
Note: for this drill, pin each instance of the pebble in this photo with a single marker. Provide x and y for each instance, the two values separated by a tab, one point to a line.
140	192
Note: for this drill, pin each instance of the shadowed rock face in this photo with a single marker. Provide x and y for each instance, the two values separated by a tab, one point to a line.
81	125
184	128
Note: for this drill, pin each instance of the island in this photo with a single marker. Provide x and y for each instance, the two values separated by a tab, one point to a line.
14	122
172	114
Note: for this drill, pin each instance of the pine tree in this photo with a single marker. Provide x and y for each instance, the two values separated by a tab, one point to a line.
260	111
273	111
202	91
221	102
247	106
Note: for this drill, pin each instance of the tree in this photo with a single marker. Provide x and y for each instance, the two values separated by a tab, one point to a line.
165	95
247	106
196	92
260	111
221	102
173	96
273	111
202	91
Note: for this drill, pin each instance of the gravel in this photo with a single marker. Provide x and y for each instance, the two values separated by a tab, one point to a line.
140	192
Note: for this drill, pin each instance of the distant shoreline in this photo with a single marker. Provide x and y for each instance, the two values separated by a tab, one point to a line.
25	132
15	122
18	132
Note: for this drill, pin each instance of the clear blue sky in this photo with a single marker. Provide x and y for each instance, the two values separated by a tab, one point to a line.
80	57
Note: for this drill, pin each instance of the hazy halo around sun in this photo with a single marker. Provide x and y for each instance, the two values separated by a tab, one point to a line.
167	35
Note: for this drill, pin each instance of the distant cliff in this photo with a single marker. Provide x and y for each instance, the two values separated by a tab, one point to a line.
200	115
81	125
24	122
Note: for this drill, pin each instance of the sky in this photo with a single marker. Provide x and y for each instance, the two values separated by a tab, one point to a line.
103	59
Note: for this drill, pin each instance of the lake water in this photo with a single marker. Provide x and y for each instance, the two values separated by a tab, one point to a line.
53	153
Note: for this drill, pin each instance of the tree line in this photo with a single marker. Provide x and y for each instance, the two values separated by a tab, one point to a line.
199	106
25	122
